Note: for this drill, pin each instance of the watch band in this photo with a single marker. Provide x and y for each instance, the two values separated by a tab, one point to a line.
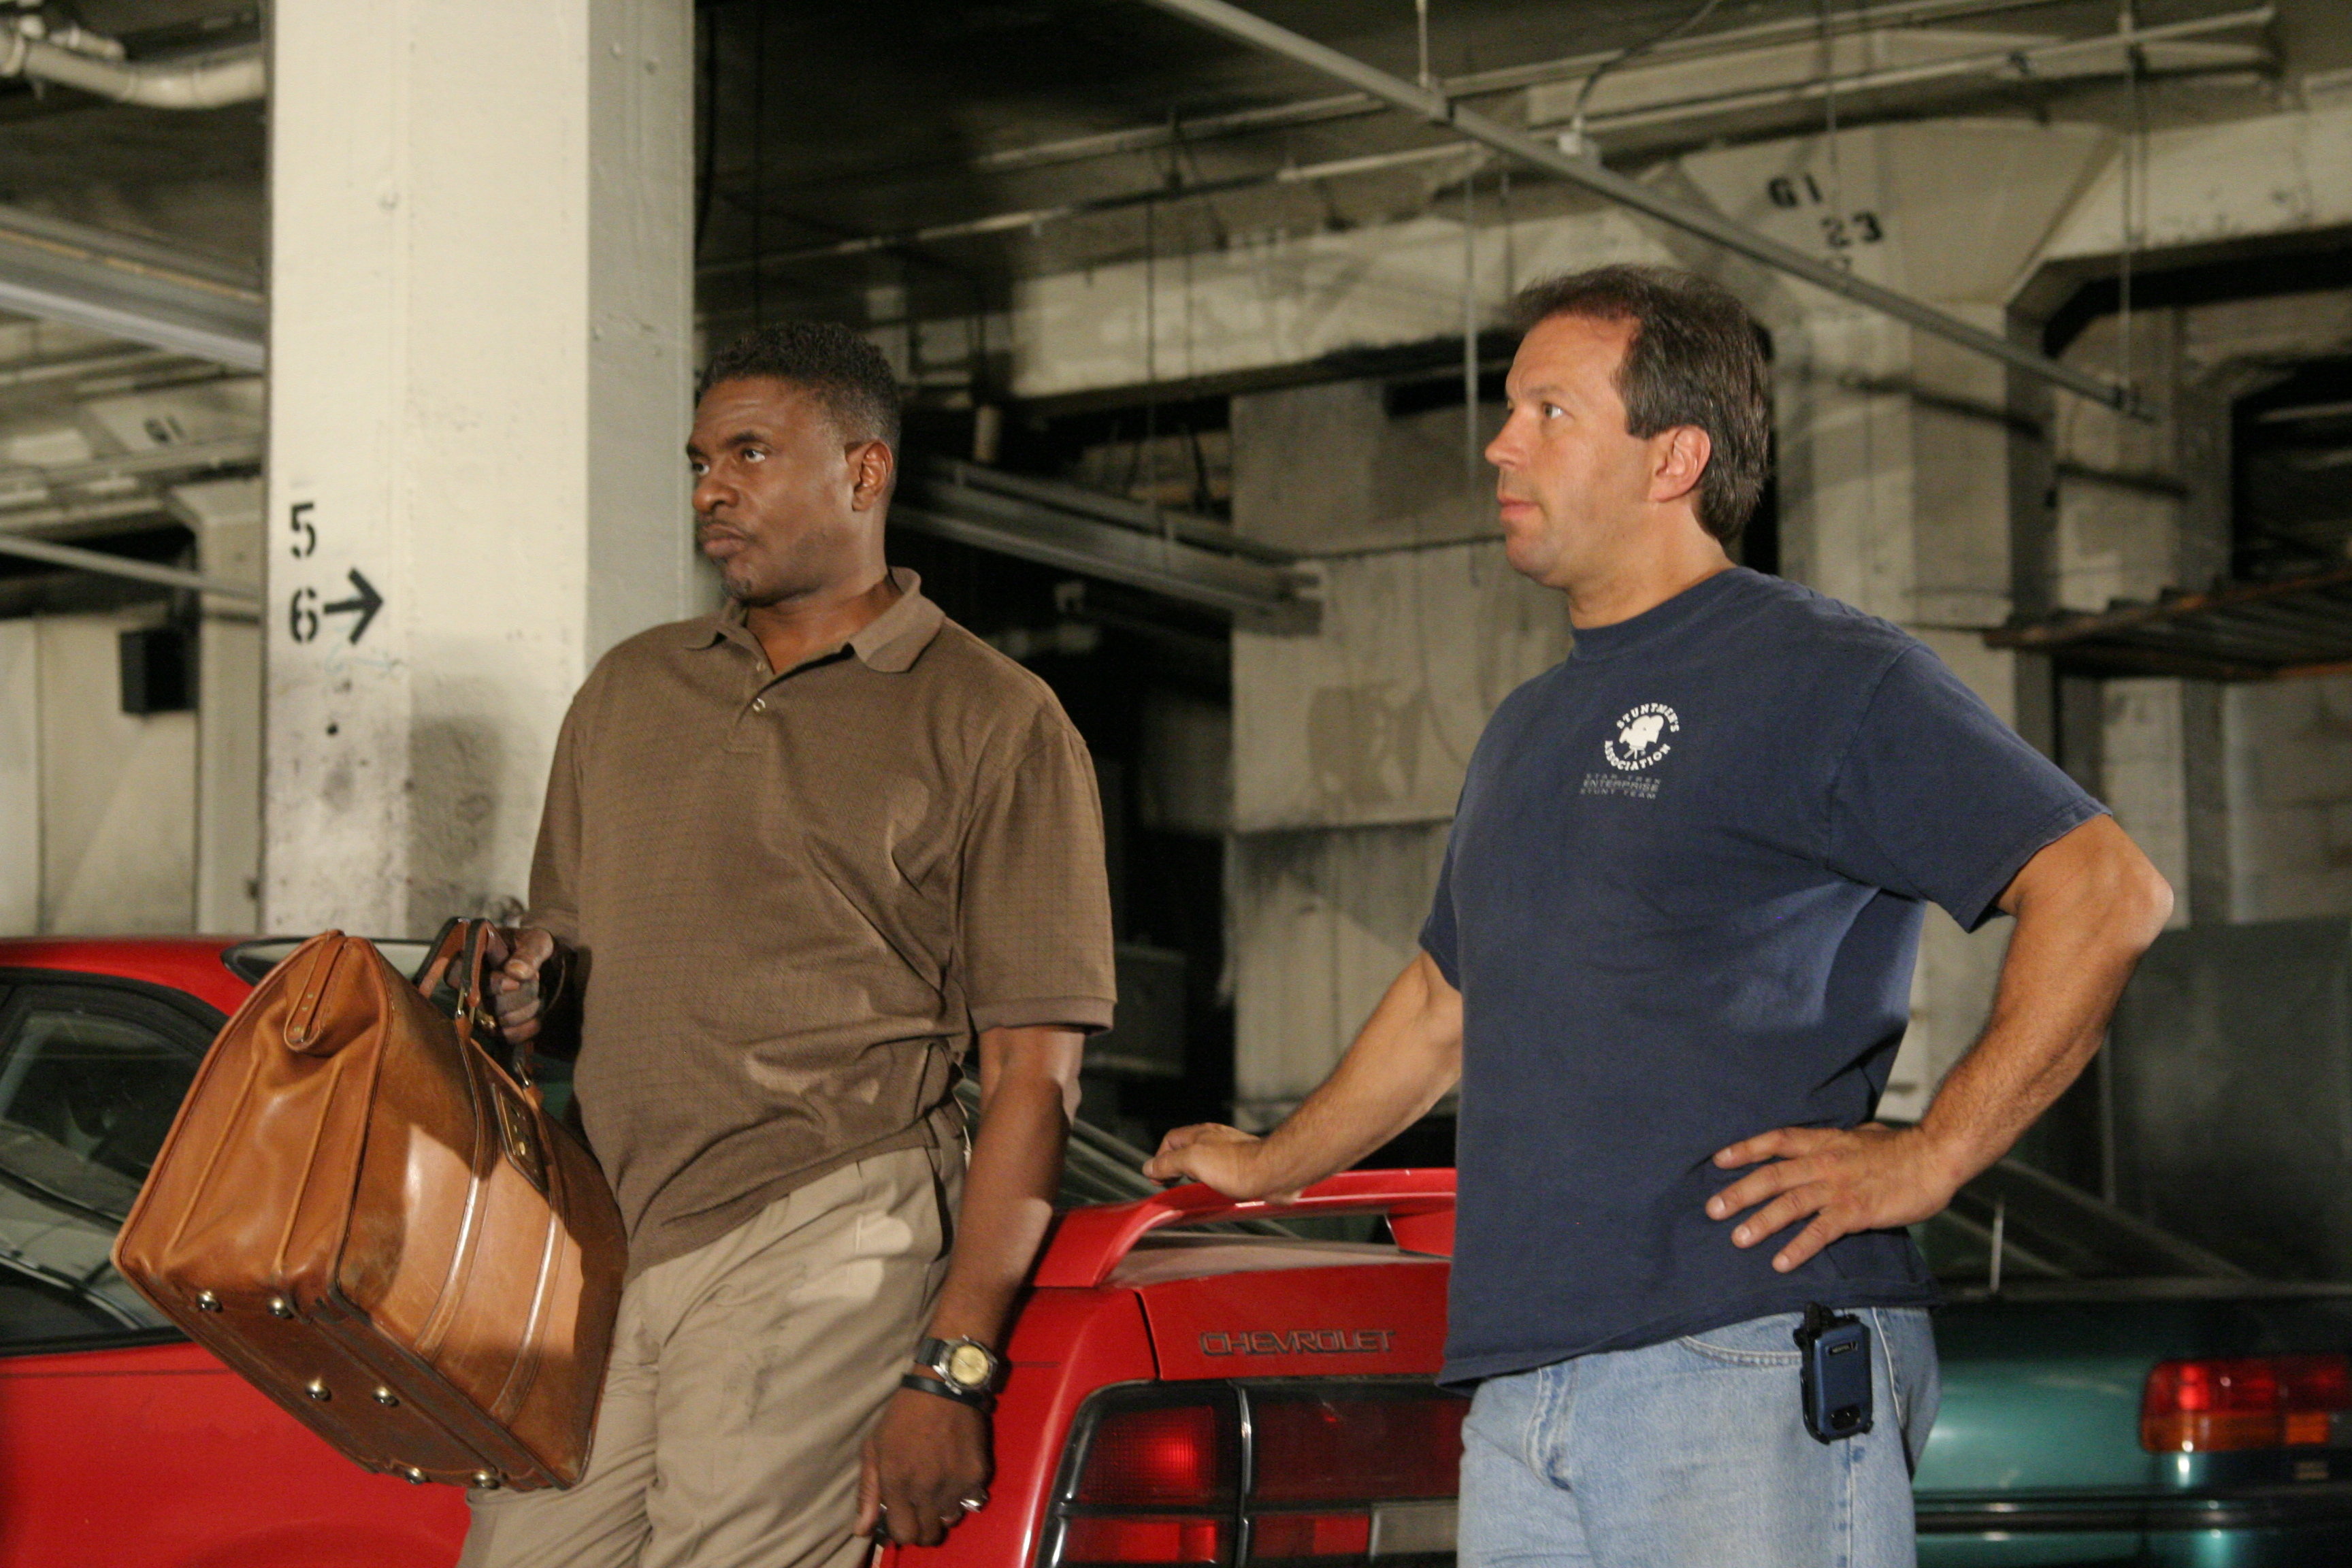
944	1390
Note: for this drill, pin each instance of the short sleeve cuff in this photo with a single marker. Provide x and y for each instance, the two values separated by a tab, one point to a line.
1444	960
1983	899
560	924
1090	1014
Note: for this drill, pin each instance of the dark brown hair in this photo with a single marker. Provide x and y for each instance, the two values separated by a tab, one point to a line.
1695	358
846	374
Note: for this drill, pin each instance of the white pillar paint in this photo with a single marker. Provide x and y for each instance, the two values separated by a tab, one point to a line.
481	294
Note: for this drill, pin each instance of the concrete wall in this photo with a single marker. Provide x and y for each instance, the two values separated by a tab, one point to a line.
117	791
2289	766
2242	794
1322	921
1349	746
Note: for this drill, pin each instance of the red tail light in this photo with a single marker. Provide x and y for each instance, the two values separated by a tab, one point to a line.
1326	1458
1368	1443
1337	1470
1092	1540
1170	1456
2247	1402
1153	1478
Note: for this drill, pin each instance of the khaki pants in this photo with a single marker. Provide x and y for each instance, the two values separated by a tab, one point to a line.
745	1378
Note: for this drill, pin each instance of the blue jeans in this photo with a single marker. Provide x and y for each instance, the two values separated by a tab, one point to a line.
1694	1454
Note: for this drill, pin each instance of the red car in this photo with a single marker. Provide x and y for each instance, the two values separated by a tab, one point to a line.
1189	1383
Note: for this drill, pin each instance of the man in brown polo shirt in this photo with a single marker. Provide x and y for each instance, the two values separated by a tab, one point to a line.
805	852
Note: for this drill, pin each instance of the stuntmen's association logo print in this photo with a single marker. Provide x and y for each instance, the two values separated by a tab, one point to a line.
1641	741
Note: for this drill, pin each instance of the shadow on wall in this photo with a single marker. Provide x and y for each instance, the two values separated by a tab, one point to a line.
2232	1084
453	769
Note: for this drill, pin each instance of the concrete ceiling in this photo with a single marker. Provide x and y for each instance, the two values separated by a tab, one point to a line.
837	120
194	180
829	121
832	119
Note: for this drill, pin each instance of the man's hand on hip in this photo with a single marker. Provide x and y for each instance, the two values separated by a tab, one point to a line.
1874	1177
1225	1158
513	984
929	1456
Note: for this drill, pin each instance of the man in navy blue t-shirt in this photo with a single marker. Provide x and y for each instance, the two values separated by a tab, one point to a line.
1669	964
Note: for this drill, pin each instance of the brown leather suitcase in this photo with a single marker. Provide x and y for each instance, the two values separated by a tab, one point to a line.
378	1224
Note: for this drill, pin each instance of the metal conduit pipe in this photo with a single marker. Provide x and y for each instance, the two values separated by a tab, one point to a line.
1246	28
105	565
2014	63
1886	16
204	81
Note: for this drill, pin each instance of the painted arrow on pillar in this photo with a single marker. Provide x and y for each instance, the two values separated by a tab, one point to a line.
365	600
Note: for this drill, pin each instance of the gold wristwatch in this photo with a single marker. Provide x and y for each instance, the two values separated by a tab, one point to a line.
966	1366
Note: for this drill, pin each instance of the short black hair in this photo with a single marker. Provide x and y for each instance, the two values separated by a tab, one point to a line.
1696	358
846	374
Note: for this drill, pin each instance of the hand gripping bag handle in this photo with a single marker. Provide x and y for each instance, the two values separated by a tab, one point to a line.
452	979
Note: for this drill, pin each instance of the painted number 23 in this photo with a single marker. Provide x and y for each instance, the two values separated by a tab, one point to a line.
1839	231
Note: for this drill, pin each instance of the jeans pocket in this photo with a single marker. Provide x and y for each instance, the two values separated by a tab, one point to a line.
1757	1341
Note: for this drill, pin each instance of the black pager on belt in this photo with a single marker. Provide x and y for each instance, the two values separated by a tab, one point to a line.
1834	1375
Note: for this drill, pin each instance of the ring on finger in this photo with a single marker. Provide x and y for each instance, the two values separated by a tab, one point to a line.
974	1503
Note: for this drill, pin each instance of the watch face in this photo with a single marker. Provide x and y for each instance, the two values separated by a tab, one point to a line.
968	1366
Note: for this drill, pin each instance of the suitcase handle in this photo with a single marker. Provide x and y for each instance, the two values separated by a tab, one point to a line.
309	991
452	979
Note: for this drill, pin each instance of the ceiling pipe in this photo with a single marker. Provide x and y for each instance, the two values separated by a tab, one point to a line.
1187	131
105	565
1433	106
223	452
2014	63
74	367
128	287
204	81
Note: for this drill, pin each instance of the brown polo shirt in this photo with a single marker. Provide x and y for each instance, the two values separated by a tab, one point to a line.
800	897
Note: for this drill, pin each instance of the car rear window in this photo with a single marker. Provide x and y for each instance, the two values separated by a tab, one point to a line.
90	1077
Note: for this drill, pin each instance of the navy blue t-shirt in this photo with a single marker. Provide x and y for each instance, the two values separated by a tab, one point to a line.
1682	900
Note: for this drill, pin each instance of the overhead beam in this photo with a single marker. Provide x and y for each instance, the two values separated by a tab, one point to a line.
1433	106
2013	65
1179	130
222	452
1074	531
105	565
144	293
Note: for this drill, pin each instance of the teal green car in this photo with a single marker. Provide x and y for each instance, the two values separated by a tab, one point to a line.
2115	1395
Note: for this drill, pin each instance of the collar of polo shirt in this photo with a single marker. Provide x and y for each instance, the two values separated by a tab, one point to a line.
889	643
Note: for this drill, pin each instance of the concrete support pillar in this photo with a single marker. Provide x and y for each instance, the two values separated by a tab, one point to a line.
481	319
1903	460
227	517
